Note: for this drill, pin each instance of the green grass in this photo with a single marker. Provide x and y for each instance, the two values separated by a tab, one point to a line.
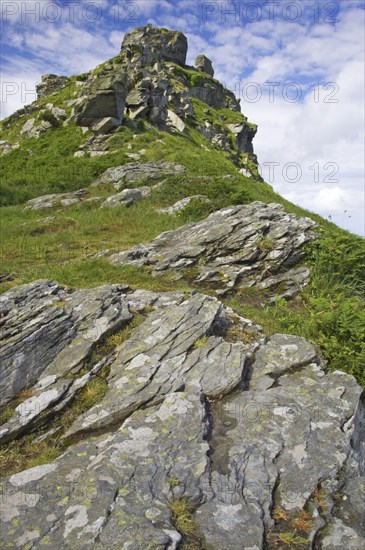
330	311
26	452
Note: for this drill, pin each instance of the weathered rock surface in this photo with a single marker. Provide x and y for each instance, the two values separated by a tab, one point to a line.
57	199
203	64
127	197
148	45
50	84
200	406
255	245
48	334
180	205
136	172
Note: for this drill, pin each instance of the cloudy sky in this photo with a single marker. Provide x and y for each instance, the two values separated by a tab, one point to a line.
298	67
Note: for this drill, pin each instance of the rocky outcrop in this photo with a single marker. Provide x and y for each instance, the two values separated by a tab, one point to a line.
183	203
201	408
145	46
50	84
150	82
255	245
203	64
5	147
48	335
103	97
127	197
136	172
57	199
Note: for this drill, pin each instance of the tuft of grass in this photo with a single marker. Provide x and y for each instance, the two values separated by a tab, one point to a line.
7	411
200	342
27	452
265	244
115	340
174	482
291	530
182	512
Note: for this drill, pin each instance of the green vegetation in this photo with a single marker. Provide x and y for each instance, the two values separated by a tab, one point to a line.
28	451
291	530
200	342
182	512
330	311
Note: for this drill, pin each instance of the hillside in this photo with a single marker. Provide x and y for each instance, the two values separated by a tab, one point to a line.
159	300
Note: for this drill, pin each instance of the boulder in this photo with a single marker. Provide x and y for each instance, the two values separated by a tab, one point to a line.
204	65
57	199
59	114
255	245
50	84
136	172
5	147
105	125
175	122
126	198
244	135
180	205
151	45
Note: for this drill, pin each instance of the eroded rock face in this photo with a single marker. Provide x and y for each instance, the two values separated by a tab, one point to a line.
200	406
255	245
203	64
50	84
48	334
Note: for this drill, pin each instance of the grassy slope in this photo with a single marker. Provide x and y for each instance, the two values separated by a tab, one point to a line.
330	311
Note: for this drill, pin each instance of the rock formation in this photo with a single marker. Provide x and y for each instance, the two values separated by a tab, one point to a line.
255	245
50	84
203	64
150	81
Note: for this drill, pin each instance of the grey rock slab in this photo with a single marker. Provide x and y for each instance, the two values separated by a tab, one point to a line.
58	199
48	334
160	358
180	205
127	197
280	444
193	412
135	172
237	247
114	491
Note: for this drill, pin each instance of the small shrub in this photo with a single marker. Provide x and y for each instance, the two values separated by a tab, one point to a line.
47	116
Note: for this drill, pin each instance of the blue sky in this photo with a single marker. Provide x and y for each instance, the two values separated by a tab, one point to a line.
298	67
